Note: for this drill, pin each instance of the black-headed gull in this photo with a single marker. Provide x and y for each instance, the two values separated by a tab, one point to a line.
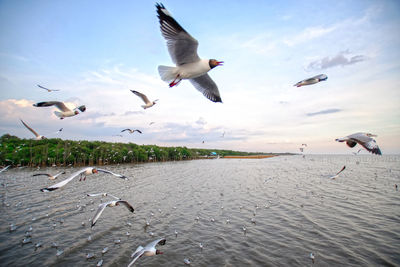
312	80
85	171
48	90
65	111
182	48
132	131
38	136
112	203
148	103
51	177
148	250
364	139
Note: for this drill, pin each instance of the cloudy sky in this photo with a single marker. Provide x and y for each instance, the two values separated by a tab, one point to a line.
95	52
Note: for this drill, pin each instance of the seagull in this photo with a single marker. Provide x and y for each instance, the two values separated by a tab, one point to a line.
151	123
131	131
182	48
5	168
65	112
145	99
303	144
337	174
48	90
148	250
312	257
59	131
104	195
301	149
312	80
364	139
85	171
38	137
51	177
112	203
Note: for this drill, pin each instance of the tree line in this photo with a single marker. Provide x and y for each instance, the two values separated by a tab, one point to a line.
57	152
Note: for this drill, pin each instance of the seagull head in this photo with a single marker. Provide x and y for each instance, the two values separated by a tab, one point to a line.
155	101
76	112
213	63
94	170
159	252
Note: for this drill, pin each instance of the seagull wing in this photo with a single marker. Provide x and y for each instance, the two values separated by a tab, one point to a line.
5	168
55	176
30	129
95	195
372	147
182	47
47	88
156	242
126	204
207	87
136	255
139	131
60	105
99	212
126	130
62	183
115	174
40	174
142	96
344	167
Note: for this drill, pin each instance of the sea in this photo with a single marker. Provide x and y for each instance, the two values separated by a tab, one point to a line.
279	211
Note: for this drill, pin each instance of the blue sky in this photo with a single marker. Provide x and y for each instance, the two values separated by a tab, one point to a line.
95	52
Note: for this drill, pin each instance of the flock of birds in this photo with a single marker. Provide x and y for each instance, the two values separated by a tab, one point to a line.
182	48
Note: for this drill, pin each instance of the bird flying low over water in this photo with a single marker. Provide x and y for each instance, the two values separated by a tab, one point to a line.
112	203
85	171
48	90
182	48
337	174
38	137
65	112
148	103
51	177
364	139
148	250
312	80
131	131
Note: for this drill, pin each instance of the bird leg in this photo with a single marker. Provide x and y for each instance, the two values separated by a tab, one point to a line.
80	179
84	178
174	82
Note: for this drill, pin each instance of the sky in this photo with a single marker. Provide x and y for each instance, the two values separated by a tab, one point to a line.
95	52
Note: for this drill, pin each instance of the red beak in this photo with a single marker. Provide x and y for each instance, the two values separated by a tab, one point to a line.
220	63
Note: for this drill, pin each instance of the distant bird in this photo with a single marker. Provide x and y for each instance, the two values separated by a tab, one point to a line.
103	195
85	171
51	177
301	149
223	135
303	144
186	261
38	137
182	48
148	250
59	131
312	80
5	168
145	100
112	203
119	135
364	139
151	123
131	131
337	174
65	112
356	153
312	257
48	90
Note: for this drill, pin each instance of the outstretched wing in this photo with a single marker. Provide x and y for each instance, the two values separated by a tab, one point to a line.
156	242
207	87
60	105
99	212
126	130
30	129
182	47
5	168
126	204
49	90
40	174
115	174
344	167
142	96
62	183
136	255
372	147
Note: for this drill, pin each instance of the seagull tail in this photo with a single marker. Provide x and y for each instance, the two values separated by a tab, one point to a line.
167	73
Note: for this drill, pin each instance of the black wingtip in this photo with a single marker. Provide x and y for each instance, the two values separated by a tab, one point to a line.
48	189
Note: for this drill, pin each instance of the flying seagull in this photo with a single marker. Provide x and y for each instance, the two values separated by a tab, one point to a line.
182	48
112	203
148	250
131	131
38	137
312	80
364	139
65	112
51	177
5	168
48	90
145	99
337	174
85	171
103	195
